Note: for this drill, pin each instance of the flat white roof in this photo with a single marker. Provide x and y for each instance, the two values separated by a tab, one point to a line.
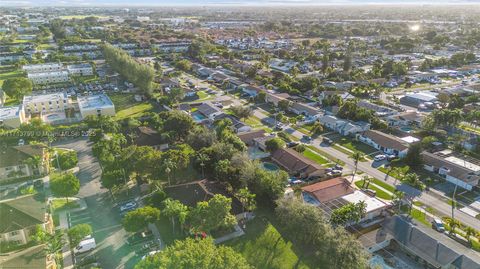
9	112
44	97
48	74
371	202
410	139
463	163
94	101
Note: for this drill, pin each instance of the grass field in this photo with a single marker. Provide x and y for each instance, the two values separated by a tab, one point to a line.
11	74
127	107
314	156
384	185
264	247
380	193
355	146
61	204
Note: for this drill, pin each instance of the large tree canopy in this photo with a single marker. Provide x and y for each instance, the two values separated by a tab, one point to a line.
195	253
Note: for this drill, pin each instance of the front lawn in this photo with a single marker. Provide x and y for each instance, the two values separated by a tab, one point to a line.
11	74
62	204
380	193
355	146
314	156
264	247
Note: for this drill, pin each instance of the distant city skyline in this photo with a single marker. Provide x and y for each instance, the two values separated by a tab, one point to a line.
79	3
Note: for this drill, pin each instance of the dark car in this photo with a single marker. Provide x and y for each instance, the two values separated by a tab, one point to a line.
292	144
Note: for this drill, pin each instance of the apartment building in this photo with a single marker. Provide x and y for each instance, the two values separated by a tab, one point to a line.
11	116
84	69
42	68
96	105
49	77
54	102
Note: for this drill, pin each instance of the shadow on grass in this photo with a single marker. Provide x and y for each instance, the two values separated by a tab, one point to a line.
265	247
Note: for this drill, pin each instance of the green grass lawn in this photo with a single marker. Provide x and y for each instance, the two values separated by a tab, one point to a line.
264	247
61	204
384	185
256	123
380	193
127	107
354	145
326	155
11	74
314	156
420	216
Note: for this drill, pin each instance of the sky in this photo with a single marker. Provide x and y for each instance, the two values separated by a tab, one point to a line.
220	2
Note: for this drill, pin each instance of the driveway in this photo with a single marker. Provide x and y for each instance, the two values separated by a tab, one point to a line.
112	251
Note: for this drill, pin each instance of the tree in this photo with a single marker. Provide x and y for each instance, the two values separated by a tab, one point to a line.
178	123
348	214
413	157
242	112
17	87
246	198
202	159
174	209
212	214
139	218
335	247
356	156
469	231
317	128
79	232
414	180
284	104
268	185
184	65
64	185
200	137
67	160
397	200
195	253
274	144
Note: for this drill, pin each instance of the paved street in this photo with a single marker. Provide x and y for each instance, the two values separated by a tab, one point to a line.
101	214
424	197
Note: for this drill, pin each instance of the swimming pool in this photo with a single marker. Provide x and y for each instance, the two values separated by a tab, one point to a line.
270	166
406	129
197	116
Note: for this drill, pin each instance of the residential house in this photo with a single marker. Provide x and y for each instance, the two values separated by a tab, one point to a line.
251	90
343	127
304	109
274	98
405	119
249	137
20	218
237	125
233	83
380	111
191	193
14	161
404	242
209	110
298	165
35	257
334	193
12	116
387	143
454	170
219	77
418	99
146	136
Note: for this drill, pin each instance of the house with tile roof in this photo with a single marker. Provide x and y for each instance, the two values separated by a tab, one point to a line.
20	218
296	164
32	258
15	163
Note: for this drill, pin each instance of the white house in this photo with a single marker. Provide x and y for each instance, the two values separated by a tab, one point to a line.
389	144
343	127
42	68
96	105
456	173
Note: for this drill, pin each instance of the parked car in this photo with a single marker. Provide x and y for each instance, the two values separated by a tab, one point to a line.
307	139
338	167
85	245
379	157
128	207
391	157
292	144
327	141
21	142
370	192
437	225
139	237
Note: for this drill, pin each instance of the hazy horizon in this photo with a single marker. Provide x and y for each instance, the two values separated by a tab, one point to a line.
127	3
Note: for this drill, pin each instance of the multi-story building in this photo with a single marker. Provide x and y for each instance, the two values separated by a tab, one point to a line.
42	68
96	105
11	116
84	69
14	162
46	103
49	77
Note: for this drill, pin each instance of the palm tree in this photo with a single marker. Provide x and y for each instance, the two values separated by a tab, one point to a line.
202	158
452	223
169	166
398	198
357	156
34	161
469	231
247	199
175	209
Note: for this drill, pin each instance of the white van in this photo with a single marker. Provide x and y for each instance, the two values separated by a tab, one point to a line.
85	245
